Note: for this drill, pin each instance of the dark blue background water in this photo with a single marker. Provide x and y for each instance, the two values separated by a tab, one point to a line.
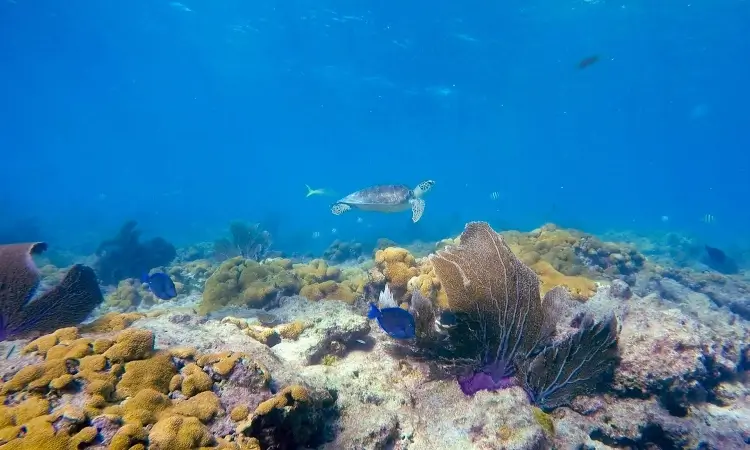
185	120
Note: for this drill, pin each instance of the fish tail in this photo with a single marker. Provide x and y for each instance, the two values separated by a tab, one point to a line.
374	312
310	191
144	277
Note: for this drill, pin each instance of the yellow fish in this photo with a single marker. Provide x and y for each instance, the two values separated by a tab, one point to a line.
311	191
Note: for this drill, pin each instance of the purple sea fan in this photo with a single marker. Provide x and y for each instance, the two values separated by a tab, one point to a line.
66	304
503	327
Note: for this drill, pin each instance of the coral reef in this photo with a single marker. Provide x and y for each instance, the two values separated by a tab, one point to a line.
373	400
543	371
244	282
398	266
247	241
192	275
68	303
120	392
124	256
240	282
130	294
340	251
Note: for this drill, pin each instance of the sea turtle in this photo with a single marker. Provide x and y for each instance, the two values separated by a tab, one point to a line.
386	198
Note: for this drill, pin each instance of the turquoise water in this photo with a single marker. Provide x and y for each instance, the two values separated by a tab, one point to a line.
184	116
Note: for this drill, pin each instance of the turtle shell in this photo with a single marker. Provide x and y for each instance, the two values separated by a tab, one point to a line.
387	194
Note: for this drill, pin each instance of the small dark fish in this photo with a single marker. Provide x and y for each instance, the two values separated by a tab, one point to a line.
716	254
266	318
585	62
161	285
397	322
10	352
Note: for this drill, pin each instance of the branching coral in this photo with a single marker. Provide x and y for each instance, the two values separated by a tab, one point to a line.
503	328
125	257
68	303
248	241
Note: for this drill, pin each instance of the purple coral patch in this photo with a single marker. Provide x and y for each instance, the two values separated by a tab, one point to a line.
492	377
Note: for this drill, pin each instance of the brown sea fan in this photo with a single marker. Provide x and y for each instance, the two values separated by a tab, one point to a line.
503	330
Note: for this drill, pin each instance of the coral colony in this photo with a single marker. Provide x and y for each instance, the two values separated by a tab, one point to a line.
516	340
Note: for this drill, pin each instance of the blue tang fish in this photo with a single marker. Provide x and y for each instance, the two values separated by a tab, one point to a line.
160	285
397	322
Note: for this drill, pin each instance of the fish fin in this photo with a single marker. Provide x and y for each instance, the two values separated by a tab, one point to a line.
417	208
374	312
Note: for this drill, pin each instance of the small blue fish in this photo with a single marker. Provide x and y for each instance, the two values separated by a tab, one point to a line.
160	284
397	322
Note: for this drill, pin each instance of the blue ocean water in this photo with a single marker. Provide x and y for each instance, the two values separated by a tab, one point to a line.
186	115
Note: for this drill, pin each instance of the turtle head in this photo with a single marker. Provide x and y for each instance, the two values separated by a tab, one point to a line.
423	187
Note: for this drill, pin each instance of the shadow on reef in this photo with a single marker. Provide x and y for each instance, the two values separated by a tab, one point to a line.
125	257
68	303
504	332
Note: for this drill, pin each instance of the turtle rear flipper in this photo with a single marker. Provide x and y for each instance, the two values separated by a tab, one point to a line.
417	208
422	188
340	208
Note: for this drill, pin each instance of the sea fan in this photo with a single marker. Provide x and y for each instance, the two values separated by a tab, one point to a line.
503	330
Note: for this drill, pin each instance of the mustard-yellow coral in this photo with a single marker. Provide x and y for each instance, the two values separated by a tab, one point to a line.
195	380
292	330
580	288
240	282
316	271
398	266
155	373
112	322
130	294
178	432
130	345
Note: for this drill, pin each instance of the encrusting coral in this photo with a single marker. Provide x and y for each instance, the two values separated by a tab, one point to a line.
503	328
68	303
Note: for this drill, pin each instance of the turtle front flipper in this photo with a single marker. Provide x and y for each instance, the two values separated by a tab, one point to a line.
417	208
340	208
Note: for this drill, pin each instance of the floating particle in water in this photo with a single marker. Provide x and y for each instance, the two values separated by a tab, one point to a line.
495	195
316	234
360	220
334	231
708	218
665	218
